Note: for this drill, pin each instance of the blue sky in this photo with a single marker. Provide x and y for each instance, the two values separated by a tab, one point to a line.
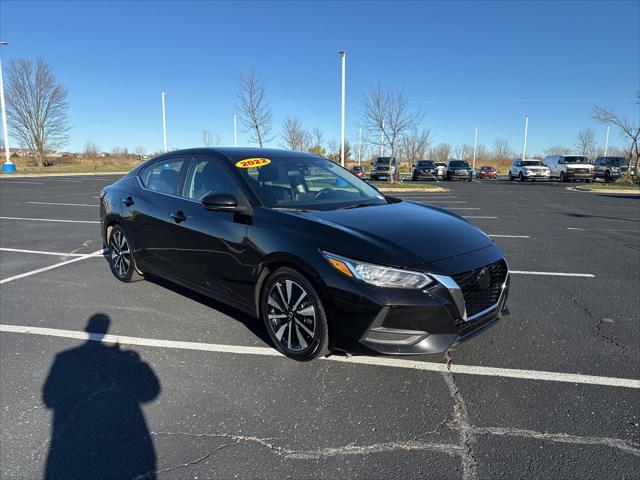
464	63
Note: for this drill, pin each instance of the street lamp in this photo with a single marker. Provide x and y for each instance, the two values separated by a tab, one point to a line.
235	130
164	122
343	54
8	166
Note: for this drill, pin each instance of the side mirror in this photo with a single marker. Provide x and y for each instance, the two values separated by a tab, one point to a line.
221	202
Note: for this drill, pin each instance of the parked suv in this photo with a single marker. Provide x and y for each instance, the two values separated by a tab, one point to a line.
383	167
441	169
458	169
424	169
610	168
569	167
528	170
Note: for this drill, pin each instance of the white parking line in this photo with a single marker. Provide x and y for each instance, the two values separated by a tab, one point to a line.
554	274
66	204
449	201
41	252
357	360
463	208
51	267
509	236
49	220
471	216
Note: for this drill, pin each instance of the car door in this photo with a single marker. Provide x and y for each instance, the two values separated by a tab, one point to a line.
514	168
147	213
213	251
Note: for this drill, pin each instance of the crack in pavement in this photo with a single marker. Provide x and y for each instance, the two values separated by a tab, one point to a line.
624	445
460	423
316	454
599	331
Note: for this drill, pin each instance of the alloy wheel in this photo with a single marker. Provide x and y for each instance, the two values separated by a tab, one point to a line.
292	315
120	253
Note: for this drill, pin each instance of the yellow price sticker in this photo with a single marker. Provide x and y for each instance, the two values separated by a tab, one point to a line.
252	162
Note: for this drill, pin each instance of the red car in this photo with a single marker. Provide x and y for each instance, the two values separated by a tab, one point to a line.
358	171
487	172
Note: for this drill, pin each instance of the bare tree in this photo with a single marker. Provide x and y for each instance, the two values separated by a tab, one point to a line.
139	152
463	151
413	146
502	149
255	114
91	151
586	142
317	141
626	127
294	136
387	114
557	150
209	140
441	152
37	107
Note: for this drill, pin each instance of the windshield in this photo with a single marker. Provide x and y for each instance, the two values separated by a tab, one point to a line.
440	164
458	163
308	184
425	163
575	159
531	163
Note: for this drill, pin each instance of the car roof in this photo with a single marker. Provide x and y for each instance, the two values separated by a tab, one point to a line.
240	153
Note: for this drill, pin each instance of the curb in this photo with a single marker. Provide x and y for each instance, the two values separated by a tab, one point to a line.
603	190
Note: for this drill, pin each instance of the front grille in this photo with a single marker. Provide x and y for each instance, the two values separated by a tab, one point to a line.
475	298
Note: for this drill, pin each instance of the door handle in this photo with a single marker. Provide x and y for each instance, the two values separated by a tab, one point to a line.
178	216
128	201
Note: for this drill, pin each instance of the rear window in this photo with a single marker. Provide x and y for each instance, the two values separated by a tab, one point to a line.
575	159
458	163
162	176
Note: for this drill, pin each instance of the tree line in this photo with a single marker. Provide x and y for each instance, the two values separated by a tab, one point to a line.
38	113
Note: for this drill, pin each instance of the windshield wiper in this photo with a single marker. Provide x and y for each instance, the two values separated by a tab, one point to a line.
359	205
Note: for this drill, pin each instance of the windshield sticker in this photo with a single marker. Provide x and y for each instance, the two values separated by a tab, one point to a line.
253	162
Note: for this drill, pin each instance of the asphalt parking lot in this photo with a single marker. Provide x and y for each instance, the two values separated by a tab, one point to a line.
552	391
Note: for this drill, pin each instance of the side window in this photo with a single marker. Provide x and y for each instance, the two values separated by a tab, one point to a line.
207	176
163	176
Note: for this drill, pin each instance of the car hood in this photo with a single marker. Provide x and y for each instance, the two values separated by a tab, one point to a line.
579	165
408	233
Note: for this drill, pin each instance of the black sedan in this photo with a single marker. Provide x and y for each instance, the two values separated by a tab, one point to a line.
323	258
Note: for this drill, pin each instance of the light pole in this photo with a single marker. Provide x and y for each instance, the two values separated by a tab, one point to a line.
343	54
8	166
360	147
475	146
606	142
164	122
382	139
235	130
526	130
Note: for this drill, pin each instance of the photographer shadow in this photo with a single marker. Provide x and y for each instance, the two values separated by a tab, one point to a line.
96	391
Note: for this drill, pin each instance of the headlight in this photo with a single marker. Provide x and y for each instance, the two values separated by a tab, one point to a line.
376	274
615	169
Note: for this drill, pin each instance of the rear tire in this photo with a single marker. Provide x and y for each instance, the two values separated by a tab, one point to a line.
607	177
121	258
294	316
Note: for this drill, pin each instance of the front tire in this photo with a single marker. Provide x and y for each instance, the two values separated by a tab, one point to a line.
521	177
294	316
121	259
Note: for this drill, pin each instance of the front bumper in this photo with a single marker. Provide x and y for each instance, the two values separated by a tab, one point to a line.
409	322
579	175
